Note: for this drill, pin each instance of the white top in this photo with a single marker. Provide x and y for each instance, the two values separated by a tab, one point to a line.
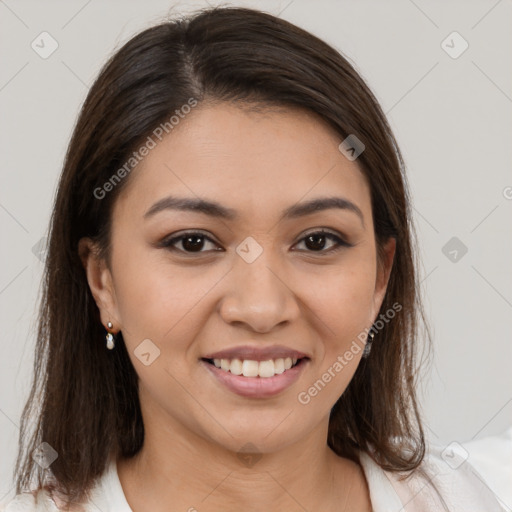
450	483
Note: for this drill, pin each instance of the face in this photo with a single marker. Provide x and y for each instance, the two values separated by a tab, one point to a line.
255	284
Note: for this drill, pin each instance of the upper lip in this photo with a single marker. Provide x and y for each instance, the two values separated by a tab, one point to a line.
256	353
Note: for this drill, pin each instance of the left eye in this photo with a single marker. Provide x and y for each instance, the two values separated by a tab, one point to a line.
318	238
194	242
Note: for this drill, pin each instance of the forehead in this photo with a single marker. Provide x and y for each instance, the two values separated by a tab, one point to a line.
256	162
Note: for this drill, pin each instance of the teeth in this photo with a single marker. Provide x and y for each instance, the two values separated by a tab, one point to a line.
250	368
236	367
266	368
279	366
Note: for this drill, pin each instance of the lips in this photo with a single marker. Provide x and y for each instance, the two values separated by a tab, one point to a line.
256	372
257	387
257	353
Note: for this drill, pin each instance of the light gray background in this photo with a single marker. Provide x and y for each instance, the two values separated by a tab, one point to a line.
452	119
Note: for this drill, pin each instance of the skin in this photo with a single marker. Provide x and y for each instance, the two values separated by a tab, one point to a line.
190	304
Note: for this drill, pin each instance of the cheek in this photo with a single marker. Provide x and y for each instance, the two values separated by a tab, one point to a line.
343	297
152	296
343	306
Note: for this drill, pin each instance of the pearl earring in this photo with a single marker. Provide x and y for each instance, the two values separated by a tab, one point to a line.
110	337
368	346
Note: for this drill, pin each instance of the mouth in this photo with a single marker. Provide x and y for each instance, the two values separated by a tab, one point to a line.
256	379
256	369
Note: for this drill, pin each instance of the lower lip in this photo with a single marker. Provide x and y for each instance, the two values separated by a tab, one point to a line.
257	387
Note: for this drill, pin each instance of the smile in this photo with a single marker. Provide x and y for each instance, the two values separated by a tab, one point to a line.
251	368
256	379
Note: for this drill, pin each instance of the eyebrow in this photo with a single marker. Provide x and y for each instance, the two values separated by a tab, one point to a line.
217	210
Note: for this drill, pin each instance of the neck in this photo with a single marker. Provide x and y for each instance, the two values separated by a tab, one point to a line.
192	473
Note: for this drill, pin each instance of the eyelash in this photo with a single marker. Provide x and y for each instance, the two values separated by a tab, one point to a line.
340	243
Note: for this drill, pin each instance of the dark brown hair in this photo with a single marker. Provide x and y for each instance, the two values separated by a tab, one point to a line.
84	398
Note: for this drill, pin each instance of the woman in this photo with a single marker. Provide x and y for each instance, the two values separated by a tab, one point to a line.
230	315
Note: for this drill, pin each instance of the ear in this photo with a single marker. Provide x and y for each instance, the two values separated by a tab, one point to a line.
384	266
100	282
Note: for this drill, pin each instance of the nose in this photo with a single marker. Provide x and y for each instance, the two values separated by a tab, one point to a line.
259	296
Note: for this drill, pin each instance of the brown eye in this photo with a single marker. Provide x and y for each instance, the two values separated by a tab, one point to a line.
190	242
196	242
193	243
317	241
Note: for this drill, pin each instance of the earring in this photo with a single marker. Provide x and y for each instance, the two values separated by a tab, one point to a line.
368	346
110	337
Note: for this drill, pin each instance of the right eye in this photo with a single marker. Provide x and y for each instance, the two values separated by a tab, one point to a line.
191	242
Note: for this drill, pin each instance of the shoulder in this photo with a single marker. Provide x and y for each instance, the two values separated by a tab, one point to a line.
105	495
492	457
36	501
446	480
42	500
